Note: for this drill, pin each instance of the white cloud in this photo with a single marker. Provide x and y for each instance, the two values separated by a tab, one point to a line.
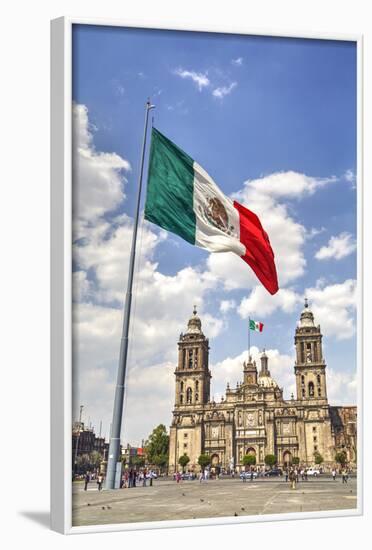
223	91
334	308
260	302
97	176
341	387
237	62
350	177
338	247
227	305
314	232
201	80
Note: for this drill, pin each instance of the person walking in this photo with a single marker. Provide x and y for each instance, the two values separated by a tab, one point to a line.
286	474
201	476
344	475
251	476
134	478
292	478
144	477
86	481
100	481
334	474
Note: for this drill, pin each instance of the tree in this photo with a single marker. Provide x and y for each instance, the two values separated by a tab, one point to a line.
295	460
95	459
204	461
183	461
341	458
157	446
83	464
249	460
318	459
138	460
270	460
161	461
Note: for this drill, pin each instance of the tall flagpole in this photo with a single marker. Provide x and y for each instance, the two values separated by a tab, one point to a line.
114	447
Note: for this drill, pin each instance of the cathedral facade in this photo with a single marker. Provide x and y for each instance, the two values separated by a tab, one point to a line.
254	418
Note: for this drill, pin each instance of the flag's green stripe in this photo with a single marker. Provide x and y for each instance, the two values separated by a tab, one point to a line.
169	200
252	325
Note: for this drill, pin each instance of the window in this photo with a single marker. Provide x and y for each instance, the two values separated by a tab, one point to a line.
318	378
196	358
185	445
190	359
185	435
314	428
196	398
197	386
315	448
315	438
319	392
302	379
311	389
303	392
188	395
181	386
181	399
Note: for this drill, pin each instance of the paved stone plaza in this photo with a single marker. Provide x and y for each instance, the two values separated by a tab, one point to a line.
167	500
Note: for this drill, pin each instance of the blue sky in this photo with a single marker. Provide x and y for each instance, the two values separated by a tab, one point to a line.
273	121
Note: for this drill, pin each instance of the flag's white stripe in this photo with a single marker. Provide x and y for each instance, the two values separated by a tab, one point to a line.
207	234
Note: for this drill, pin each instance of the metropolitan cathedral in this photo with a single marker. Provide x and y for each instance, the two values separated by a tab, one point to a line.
254	418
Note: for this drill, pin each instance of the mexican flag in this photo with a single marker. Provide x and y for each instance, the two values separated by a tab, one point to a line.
255	325
184	199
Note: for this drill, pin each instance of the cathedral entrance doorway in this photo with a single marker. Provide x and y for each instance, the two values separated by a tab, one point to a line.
251	451
215	460
287	459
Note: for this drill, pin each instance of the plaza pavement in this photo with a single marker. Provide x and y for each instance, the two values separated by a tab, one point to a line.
167	500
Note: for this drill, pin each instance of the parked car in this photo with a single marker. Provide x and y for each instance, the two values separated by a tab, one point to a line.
313	472
247	475
275	472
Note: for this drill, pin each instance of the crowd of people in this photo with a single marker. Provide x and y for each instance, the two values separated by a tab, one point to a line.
133	478
130	478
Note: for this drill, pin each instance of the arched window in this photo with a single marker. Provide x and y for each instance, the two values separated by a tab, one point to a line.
302	379
197	385
196	398
319	392
181	399
190	359
303	392
184	358
188	395
181	386
311	389
318	378
196	358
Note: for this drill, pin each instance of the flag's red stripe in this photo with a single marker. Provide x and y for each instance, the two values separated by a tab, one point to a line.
259	254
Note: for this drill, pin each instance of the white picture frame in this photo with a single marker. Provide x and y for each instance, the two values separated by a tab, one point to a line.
61	287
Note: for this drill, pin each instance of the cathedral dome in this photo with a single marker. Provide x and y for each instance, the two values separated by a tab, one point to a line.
267	382
307	317
194	324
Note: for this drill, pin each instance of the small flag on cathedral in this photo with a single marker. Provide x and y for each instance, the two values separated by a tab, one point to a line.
255	325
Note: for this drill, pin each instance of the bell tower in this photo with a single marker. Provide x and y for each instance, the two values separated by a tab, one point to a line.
310	367
192	372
